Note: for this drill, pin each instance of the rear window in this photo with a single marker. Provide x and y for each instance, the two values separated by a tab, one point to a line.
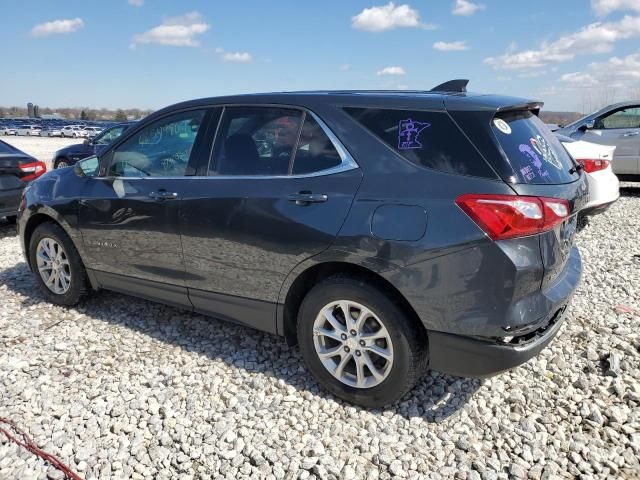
535	154
427	139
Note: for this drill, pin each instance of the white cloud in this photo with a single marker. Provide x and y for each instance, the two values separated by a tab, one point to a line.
176	31
388	17
392	71
450	46
594	38
466	8
237	57
579	79
613	73
136	3
57	26
604	7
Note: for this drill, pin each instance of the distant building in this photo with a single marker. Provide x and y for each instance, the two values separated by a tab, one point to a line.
30	112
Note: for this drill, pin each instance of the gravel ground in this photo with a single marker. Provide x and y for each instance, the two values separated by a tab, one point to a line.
41	148
123	388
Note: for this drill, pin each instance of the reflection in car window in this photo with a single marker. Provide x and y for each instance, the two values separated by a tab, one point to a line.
626	118
315	151
109	136
256	141
161	149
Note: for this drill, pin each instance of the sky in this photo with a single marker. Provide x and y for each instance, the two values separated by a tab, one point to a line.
152	53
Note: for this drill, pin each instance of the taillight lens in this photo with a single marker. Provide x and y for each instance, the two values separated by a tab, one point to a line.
31	171
593	165
509	216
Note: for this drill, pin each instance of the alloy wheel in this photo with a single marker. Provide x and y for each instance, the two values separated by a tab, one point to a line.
53	266
353	344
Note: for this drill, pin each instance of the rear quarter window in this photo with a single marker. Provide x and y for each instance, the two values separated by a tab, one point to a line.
535	154
428	139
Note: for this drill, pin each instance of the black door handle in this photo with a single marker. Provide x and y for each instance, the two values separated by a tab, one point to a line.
163	195
305	198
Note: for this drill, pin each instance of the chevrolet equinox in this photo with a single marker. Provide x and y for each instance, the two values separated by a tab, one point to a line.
383	232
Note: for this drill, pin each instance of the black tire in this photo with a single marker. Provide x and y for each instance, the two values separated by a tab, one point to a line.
408	340
78	284
56	163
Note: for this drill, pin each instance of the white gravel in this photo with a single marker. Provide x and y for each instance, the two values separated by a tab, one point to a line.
42	148
123	388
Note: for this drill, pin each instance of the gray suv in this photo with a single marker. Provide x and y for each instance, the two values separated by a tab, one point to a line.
617	125
383	232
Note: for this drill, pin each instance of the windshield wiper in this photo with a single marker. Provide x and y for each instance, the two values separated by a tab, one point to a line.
576	168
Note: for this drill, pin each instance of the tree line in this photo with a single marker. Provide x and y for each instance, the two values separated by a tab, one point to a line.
79	113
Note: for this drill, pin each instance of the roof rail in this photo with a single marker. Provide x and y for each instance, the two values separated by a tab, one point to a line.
459	85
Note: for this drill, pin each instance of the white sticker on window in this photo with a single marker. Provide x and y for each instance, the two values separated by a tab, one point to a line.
502	126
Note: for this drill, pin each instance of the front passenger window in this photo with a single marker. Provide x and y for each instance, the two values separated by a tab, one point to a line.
625	118
161	149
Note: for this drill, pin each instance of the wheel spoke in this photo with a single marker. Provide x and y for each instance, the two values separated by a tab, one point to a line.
364	314
335	323
382	352
370	337
346	311
343	363
372	368
360	378
330	352
323	332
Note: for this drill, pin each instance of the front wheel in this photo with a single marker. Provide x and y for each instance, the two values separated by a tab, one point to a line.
358	342
56	265
62	163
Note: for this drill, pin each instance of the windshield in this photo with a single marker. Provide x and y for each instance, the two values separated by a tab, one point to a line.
533	151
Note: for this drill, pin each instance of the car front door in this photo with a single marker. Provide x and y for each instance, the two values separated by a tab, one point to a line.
277	190
620	128
129	218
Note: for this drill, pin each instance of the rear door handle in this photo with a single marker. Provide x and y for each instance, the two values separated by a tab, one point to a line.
163	195
631	134
305	198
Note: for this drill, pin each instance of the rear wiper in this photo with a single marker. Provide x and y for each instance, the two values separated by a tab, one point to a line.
576	168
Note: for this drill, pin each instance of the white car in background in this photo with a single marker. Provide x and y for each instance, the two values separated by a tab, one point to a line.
92	131
604	187
7	131
28	130
72	131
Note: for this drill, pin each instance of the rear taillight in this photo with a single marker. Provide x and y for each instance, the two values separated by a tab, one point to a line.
31	171
509	216
591	165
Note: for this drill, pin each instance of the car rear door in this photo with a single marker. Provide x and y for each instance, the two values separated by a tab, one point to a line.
276	192
129	218
620	128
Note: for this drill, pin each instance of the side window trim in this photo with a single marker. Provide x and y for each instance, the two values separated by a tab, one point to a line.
347	161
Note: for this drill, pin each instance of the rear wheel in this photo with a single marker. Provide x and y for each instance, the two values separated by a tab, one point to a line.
358	343
61	163
56	265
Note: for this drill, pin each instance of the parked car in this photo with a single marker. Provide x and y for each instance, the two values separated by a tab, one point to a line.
16	170
91	132
617	125
73	131
7	131
604	187
70	155
51	132
29	130
383	232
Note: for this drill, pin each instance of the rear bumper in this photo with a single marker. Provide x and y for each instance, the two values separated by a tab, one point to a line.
604	189
468	356
471	357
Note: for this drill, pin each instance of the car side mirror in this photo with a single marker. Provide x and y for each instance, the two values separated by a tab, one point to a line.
587	126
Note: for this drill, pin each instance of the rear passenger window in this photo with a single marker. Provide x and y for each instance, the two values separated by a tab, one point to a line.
315	150
427	139
256	141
